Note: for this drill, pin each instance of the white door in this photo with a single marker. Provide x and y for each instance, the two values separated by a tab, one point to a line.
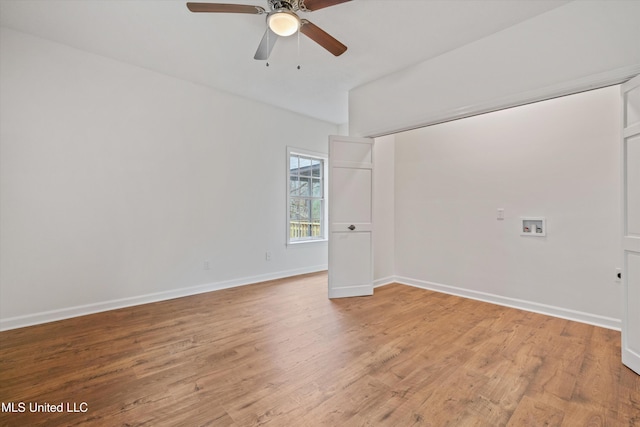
631	223
350	217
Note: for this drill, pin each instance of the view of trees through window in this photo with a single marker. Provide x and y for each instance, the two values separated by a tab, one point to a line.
306	197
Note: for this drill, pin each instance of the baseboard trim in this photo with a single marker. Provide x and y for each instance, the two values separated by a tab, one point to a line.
83	310
66	313
351	291
383	281
549	310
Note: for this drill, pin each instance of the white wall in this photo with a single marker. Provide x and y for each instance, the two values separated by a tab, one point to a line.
583	44
557	159
117	183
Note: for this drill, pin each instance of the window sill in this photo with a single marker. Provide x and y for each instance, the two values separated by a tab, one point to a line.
307	242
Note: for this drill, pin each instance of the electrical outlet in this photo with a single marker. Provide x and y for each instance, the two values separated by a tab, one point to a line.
207	265
500	214
267	255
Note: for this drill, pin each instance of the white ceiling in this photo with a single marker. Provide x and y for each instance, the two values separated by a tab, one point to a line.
216	50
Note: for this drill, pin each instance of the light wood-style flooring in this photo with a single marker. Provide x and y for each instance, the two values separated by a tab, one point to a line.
282	354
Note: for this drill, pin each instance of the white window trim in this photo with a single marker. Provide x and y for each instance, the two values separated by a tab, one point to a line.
325	158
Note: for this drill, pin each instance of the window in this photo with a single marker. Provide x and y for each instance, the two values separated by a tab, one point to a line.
306	206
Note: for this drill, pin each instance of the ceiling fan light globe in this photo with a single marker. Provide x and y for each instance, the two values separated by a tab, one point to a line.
283	23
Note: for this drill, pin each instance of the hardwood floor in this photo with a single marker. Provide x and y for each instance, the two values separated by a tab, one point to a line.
281	353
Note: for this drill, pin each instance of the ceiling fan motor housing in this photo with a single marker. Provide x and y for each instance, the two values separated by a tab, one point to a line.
283	4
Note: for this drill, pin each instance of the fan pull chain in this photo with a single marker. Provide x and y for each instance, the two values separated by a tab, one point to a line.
298	49
268	34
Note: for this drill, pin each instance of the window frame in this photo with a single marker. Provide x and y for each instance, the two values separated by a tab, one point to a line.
324	158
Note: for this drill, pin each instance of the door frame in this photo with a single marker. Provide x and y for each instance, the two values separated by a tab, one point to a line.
630	244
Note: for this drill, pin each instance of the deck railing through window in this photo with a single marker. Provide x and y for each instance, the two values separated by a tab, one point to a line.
300	229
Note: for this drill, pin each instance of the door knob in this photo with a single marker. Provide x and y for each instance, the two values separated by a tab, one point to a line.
351	227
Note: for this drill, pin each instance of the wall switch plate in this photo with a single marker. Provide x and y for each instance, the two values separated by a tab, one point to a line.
267	255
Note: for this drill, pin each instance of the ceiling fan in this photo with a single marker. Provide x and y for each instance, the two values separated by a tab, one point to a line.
282	20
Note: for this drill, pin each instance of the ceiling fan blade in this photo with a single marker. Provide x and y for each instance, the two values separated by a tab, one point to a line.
266	45
312	5
321	37
225	8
